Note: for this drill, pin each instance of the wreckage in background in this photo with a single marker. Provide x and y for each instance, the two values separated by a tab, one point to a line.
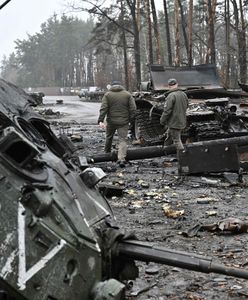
59	238
214	112
37	96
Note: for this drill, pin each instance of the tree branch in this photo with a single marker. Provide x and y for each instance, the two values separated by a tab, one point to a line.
102	13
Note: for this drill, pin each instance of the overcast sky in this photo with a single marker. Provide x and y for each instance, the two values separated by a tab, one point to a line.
21	17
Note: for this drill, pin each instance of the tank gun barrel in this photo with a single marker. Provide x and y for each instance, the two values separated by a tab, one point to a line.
134	153
159	151
149	253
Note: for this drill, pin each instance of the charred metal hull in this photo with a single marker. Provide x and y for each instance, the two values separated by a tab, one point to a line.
244	87
211	114
49	210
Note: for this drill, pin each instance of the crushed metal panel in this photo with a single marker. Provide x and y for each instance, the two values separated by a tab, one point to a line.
110	190
208	158
201	76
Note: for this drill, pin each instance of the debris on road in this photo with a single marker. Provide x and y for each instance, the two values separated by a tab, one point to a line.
171	213
229	225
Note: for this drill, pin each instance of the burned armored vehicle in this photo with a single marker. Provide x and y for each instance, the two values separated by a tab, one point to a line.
49	214
214	112
59	237
37	96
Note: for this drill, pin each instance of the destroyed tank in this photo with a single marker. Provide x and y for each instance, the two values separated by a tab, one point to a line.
59	237
214	112
37	96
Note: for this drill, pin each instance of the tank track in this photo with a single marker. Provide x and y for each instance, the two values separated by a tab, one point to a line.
150	131
201	130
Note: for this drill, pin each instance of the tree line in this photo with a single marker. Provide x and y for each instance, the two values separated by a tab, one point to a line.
118	41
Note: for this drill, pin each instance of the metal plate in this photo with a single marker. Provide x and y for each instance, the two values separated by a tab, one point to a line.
196	76
210	158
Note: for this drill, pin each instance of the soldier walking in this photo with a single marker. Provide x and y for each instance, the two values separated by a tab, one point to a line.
174	114
118	106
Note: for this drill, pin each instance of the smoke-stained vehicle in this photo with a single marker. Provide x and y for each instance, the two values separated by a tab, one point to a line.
59	237
37	96
214	112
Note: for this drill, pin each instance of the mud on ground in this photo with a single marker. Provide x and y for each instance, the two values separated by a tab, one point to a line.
151	188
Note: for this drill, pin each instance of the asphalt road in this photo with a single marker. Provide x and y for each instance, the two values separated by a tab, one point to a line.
72	109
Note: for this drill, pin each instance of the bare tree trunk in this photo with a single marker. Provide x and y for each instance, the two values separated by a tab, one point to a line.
156	32
137	9
228	56
124	47
137	54
136	43
167	29
184	25
243	66
211	8
190	29
78	81
240	30
148	16
203	38
177	34
90	79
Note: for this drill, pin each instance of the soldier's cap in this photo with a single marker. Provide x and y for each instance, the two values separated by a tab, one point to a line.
116	82
172	81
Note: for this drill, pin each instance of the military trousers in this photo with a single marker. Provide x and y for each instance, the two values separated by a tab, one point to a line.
174	137
122	132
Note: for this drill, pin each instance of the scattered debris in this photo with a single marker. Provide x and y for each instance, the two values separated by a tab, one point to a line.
210	181
210	213
49	112
137	204
171	213
152	270
229	225
76	138
142	290
205	200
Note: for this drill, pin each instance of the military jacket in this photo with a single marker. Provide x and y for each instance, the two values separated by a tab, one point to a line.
118	106
174	114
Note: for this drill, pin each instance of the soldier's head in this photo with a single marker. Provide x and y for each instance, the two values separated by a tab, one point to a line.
172	83
116	82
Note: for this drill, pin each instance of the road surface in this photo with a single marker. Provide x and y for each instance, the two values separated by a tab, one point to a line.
72	109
